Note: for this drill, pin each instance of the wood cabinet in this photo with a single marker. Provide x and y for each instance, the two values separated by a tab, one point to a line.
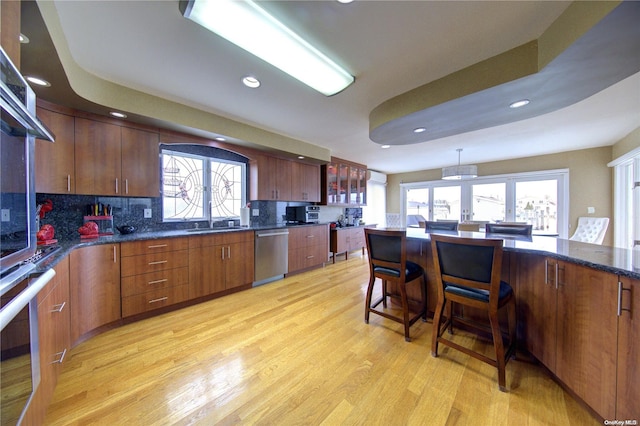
53	329
154	274
628	391
114	160
568	319
305	182
345	240
97	157
308	247
270	179
219	262
94	285
344	183
140	163
55	166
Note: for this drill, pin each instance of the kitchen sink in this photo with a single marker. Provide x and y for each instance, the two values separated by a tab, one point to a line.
218	228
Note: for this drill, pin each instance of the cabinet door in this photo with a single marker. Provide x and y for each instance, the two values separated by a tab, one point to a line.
587	335
271	179
55	172
97	158
94	288
140	163
536	299
305	182
343	184
239	264
628	349
331	184
206	270
282	173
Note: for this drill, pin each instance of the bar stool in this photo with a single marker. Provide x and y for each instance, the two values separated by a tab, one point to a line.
388	261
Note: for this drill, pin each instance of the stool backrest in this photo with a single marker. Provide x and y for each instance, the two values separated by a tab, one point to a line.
509	228
386	249
441	225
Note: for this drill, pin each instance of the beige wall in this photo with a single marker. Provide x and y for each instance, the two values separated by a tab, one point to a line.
627	144
590	180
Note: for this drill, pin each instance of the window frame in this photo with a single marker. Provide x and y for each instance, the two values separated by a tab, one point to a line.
207	184
466	196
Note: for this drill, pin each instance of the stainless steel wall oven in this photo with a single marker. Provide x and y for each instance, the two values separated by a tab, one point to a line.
18	289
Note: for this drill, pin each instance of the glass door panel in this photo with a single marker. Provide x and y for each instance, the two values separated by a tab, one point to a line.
362	187
488	202
417	206
332	184
537	204
343	184
446	202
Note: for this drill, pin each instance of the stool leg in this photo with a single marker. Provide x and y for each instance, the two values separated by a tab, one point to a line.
367	307
405	311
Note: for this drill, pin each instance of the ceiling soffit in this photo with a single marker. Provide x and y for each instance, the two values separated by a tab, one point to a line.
570	62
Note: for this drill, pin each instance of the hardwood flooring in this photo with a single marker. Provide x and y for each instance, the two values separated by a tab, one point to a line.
295	352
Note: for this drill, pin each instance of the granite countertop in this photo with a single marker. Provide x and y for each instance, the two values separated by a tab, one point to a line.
615	260
610	259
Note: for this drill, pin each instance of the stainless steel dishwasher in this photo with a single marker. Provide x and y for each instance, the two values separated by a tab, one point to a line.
272	255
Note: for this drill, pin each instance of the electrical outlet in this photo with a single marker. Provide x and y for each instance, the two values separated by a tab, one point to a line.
591	210
6	215
255	212
147	213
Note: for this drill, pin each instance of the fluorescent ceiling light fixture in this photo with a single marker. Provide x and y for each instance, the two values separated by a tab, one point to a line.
520	103
250	27
460	172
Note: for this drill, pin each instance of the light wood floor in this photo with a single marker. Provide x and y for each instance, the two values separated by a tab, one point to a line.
295	352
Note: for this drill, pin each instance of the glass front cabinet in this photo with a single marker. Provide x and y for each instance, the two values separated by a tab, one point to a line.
344	183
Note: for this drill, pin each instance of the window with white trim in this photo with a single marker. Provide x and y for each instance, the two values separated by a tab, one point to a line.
537	198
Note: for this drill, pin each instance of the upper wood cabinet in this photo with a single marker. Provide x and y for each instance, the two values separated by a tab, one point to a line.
97	159
140	163
305	182
55	166
344	183
270	179
114	160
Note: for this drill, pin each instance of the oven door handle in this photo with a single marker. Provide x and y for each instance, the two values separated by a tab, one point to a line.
11	309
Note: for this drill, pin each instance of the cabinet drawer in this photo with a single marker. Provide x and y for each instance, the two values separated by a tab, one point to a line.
151	300
160	245
136	265
143	283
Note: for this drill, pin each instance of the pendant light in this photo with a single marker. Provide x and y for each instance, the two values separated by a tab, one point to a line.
459	172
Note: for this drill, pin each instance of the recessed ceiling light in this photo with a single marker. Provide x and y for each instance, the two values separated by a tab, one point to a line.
24	39
520	103
38	81
419	130
251	81
220	139
117	114
300	157
345	1
385	146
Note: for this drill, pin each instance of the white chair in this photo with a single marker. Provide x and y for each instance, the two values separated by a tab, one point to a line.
393	220
591	230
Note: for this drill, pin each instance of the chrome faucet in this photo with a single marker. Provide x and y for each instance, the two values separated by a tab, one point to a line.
210	216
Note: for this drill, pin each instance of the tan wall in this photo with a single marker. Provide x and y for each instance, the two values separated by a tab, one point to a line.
590	180
627	144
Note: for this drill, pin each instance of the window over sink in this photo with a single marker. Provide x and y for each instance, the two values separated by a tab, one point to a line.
201	183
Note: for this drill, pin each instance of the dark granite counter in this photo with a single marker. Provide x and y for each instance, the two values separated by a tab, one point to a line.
609	259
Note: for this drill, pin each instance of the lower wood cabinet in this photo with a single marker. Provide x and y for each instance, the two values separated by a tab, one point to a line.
94	285
219	262
345	240
308	247
53	339
154	274
568	319
628	391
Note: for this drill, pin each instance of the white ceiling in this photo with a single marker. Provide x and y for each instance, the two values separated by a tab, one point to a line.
390	47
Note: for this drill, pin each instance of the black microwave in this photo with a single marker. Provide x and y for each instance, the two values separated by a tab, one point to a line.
303	214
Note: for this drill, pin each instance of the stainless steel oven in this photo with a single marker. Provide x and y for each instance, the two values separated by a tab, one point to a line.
18	289
302	214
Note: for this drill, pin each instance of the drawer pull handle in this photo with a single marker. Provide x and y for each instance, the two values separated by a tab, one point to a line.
160	299
60	356
310	236
157	281
310	257
157	246
159	262
59	307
